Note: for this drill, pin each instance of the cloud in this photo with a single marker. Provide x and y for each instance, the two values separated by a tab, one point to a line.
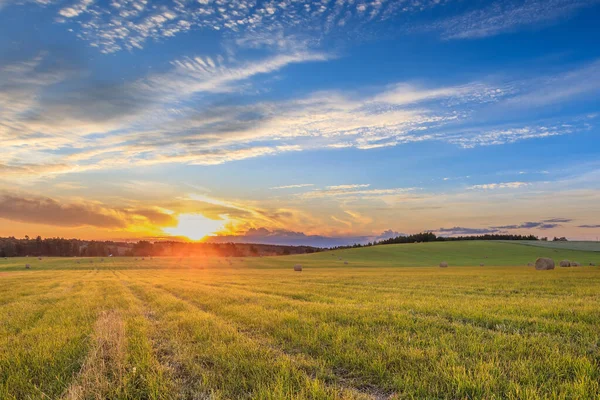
131	24
300	185
352	193
389	234
459	230
50	212
545	224
589	226
345	187
287	237
508	16
178	117
47	211
494	137
503	185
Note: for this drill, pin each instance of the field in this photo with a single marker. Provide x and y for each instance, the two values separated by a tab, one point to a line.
389	324
570	245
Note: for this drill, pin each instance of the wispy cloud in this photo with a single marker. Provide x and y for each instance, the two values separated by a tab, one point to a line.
130	24
502	185
352	193
300	185
344	187
508	16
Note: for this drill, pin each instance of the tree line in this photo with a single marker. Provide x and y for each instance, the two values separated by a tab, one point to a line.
60	247
432	237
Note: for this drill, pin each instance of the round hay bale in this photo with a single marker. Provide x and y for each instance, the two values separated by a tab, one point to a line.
565	263
592	265
298	268
575	264
544	264
27	266
443	264
346	262
482	265
39	258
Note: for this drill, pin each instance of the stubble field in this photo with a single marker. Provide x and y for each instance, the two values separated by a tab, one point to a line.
375	328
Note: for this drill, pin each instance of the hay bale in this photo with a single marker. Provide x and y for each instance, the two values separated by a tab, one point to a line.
592	265
27	266
544	264
39	258
443	264
565	263
298	268
346	262
575	264
481	264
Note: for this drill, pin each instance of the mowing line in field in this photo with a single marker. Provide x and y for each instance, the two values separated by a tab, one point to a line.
467	336
303	367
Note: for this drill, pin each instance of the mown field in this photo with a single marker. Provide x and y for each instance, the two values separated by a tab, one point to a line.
170	328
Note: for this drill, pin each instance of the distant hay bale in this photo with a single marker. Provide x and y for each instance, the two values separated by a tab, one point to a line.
298	268
143	258
339	258
78	262
482	265
565	263
544	264
443	264
346	262
530	264
27	266
39	258
575	264
592	265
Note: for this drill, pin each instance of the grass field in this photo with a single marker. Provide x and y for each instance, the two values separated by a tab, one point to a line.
168	328
570	245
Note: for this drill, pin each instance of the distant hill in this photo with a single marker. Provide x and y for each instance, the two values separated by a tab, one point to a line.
575	245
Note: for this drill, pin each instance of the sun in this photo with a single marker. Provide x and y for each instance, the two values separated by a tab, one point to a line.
195	226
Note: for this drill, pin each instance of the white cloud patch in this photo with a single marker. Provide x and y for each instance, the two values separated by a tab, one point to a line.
296	186
508	16
502	185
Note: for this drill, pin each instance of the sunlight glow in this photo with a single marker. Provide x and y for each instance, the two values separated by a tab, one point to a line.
195	226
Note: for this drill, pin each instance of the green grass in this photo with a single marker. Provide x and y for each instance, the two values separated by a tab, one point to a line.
571	245
195	328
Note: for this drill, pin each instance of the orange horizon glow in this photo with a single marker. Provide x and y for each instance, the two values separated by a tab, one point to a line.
195	227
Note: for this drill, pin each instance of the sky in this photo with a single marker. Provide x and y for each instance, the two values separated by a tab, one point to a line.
300	122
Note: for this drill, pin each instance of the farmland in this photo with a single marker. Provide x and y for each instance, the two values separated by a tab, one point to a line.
389	324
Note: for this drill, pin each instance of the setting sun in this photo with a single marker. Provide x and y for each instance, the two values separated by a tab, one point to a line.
195	226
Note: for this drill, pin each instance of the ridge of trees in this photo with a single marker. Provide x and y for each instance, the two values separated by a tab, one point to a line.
60	247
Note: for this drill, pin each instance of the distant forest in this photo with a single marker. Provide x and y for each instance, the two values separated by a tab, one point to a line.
432	237
59	247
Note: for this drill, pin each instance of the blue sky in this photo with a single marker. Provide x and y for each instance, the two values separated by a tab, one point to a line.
331	119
